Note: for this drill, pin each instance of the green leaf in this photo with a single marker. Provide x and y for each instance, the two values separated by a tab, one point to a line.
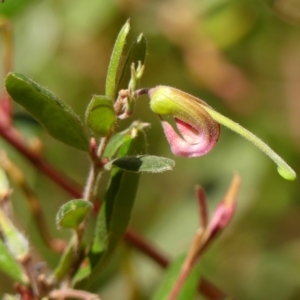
53	114
114	216
189	287
83	272
123	137
143	163
9	266
100	115
111	78
72	213
64	265
137	53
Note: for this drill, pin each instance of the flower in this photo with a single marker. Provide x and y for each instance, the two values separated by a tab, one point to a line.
199	132
199	126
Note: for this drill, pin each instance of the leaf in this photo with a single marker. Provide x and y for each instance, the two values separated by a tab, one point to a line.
9	266
136	53
83	272
143	163
67	258
189	287
100	115
72	213
114	216
53	114
112	72
123	137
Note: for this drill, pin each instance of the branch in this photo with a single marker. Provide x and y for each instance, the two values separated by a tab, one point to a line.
131	236
39	162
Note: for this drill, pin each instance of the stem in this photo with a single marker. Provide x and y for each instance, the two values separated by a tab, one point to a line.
135	240
103	143
205	287
95	171
5	102
89	192
187	266
282	167
32	275
13	138
143	91
131	236
202	204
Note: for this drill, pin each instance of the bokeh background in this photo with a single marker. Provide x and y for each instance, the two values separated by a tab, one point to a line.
240	56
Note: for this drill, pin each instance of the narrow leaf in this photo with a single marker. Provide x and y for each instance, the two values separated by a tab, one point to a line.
53	114
9	266
111	78
137	53
189	288
63	268
72	213
100	115
83	272
143	163
115	212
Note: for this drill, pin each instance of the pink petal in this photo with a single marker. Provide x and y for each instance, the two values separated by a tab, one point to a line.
193	142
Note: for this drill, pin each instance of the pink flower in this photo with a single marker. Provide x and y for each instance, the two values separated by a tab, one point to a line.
198	131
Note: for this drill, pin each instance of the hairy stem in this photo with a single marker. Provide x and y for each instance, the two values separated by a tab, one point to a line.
282	167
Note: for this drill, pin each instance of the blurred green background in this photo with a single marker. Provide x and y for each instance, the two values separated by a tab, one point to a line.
240	56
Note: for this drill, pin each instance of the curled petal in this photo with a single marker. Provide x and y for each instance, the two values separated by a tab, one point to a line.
199	132
193	143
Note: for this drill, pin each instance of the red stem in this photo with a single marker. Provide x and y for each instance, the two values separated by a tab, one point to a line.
134	239
131	236
61	180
